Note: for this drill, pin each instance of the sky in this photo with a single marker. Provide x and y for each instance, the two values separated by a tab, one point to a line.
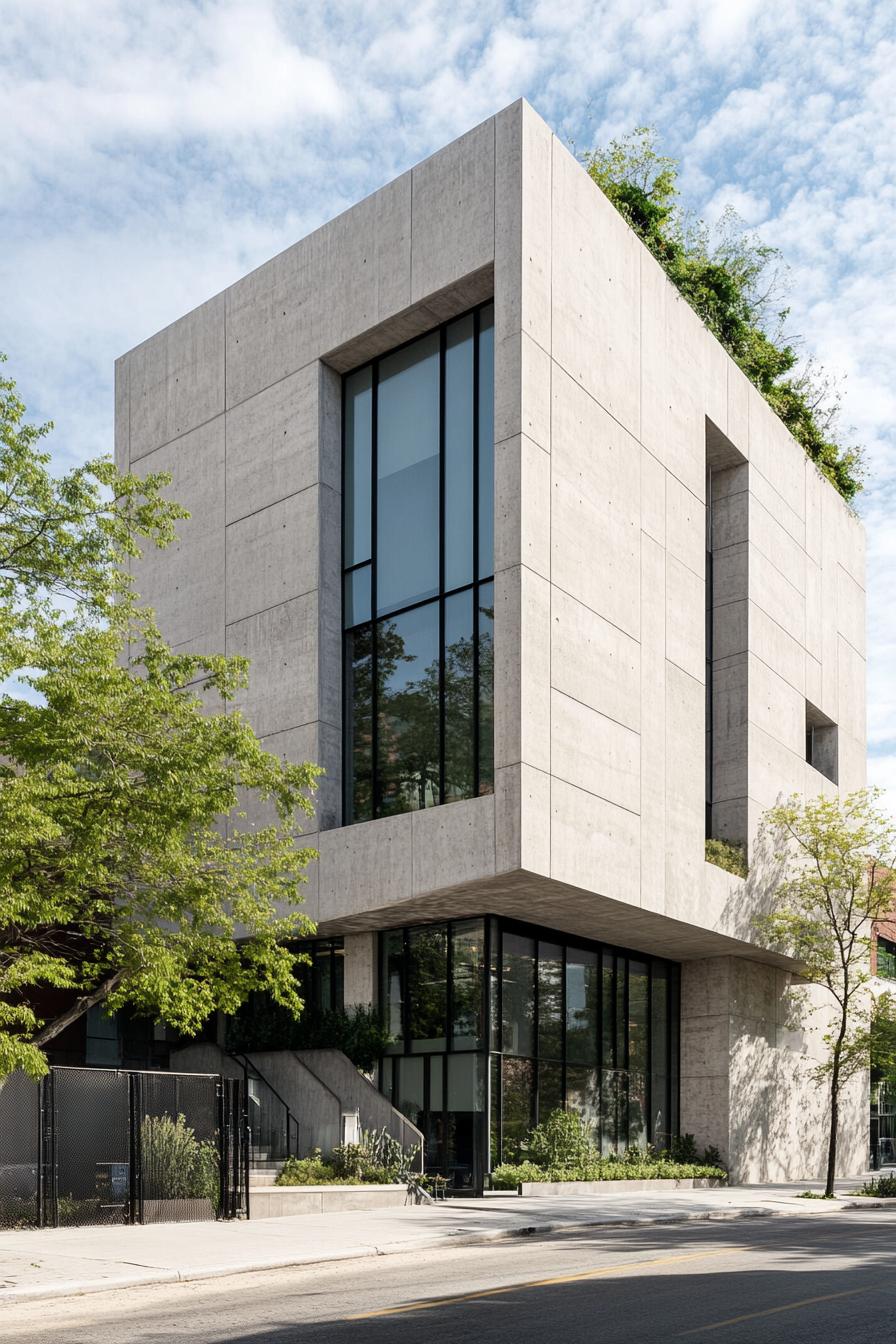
154	152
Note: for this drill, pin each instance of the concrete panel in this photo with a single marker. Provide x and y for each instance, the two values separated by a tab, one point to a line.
685	618
853	762
522	523
454	843
595	510
850	610
650	688
295	745
272	555
778	650
122	413
653	497
453	212
594	661
730	520
176	379
715	383
535	670
729	628
776	595
778	546
776	707
685	790
594	844
185	582
272	444
281	645
367	866
685	420
594	752
269	324
330	605
508	645
851	682
595	289
791	519
537	171
729	712
509	192
740	394
685	527
776	771
777	456
522	389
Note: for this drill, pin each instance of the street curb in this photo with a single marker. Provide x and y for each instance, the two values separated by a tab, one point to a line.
79	1288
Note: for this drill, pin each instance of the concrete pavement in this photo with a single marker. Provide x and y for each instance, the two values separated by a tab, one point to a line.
62	1261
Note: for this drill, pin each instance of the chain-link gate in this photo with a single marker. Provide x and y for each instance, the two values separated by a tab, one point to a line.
88	1147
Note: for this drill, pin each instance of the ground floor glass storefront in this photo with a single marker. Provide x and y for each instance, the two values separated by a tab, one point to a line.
494	1024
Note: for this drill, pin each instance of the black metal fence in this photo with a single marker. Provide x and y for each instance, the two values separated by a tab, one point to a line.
86	1147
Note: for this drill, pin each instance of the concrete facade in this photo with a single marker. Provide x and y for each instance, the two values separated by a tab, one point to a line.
616	415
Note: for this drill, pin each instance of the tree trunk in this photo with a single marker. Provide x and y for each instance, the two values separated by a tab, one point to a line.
50	1030
835	1115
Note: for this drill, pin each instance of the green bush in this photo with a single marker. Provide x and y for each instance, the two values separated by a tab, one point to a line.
561	1140
728	856
510	1175
312	1170
881	1187
261	1024
175	1164
683	1148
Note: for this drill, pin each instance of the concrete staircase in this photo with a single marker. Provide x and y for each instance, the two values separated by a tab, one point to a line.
263	1169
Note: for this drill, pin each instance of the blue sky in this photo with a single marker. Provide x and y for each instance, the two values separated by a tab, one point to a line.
154	152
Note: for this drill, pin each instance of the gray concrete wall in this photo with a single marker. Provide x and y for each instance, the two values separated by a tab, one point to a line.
611	399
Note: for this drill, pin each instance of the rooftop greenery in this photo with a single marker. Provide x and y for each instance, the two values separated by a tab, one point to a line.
733	282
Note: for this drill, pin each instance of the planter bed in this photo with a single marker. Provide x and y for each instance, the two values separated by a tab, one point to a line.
545	1189
283	1201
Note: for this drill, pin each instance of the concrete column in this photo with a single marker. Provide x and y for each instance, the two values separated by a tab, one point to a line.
360	969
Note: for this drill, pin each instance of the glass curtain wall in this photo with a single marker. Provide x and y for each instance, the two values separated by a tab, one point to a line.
498	1020
418	591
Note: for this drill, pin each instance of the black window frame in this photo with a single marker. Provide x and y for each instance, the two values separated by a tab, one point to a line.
482	781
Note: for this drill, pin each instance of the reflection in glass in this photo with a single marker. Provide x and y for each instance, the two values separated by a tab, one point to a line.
468	983
550	1002
408	728
428	987
582	1001
408	475
356	491
517	993
486	442
518	1105
358	720
459	453
550	1088
659	1056
356	596
409	1088
583	1097
486	619
613	1127
464	1107
608	1011
392	945
637	1015
460	735
637	1109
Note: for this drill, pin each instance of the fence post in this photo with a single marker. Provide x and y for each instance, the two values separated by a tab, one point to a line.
135	1173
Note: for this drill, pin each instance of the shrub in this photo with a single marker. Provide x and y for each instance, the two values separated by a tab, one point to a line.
261	1024
174	1163
312	1170
561	1140
510	1175
683	1148
883	1187
728	856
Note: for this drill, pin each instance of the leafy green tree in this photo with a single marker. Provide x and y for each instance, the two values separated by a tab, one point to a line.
126	876
838	878
732	281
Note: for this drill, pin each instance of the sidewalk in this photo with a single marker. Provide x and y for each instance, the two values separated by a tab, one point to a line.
58	1262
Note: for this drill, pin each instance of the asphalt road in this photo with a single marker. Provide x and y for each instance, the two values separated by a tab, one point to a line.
818	1279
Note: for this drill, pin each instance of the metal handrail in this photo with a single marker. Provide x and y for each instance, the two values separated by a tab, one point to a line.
292	1124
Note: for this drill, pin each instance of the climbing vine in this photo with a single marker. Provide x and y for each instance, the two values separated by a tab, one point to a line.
732	280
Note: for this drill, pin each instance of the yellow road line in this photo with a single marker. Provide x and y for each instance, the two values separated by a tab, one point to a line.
429	1303
773	1311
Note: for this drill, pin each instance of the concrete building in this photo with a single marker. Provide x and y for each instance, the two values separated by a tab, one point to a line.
521	557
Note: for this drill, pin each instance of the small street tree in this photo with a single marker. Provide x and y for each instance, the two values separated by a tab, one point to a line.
127	877
838	879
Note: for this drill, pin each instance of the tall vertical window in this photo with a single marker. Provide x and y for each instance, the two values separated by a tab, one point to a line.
418	558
